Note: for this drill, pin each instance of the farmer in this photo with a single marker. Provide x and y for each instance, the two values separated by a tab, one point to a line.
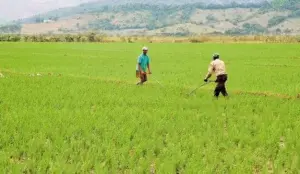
217	66
143	63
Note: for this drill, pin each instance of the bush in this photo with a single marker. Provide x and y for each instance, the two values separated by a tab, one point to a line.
54	39
195	40
123	39
25	38
84	39
237	20
4	38
295	14
241	35
278	30
129	40
12	28
211	18
15	38
69	38
248	29
235	31
201	39
298	39
276	20
91	37
254	28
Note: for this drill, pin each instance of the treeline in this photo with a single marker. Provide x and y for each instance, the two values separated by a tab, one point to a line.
11	28
285	4
102	38
88	37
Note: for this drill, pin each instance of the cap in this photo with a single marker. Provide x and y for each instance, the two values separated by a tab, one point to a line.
216	55
145	49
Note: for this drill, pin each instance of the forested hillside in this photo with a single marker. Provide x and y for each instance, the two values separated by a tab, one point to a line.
277	17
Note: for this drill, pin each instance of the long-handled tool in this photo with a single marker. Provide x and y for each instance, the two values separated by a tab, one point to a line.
157	81
200	87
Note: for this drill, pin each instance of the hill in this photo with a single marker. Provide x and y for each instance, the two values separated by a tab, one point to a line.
2	21
257	17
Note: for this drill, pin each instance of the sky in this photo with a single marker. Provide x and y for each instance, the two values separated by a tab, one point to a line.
16	9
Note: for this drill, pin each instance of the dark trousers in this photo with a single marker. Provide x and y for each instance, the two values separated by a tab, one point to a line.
143	77
221	80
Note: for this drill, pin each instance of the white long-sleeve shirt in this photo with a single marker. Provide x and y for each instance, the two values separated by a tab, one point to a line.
217	66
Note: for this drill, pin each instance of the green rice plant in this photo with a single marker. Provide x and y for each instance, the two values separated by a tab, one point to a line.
74	107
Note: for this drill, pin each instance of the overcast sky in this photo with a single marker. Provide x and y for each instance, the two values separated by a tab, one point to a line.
14	9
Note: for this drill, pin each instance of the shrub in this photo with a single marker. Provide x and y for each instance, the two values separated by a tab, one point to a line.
100	37
91	37
238	34
69	38
84	39
54	39
276	20
12	28
4	38
15	38
298	39
253	28
235	31
195	40
295	14
200	39
211	18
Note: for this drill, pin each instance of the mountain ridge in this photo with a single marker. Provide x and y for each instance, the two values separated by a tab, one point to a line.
159	3
163	2
238	17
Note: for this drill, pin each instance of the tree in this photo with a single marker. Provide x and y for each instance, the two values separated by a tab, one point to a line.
12	28
39	20
92	37
253	28
295	14
285	4
278	3
276	20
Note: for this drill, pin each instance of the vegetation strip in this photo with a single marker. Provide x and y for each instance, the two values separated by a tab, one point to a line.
119	81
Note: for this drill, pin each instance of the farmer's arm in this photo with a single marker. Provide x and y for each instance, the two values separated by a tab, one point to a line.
208	75
210	71
148	65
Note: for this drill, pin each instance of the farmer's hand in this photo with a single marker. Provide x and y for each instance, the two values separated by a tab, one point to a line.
149	72
143	72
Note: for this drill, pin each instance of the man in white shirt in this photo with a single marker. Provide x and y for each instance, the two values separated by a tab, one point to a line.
217	66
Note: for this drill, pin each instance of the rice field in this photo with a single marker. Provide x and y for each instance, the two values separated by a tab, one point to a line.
75	108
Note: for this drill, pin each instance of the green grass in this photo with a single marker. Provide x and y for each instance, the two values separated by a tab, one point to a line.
89	116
